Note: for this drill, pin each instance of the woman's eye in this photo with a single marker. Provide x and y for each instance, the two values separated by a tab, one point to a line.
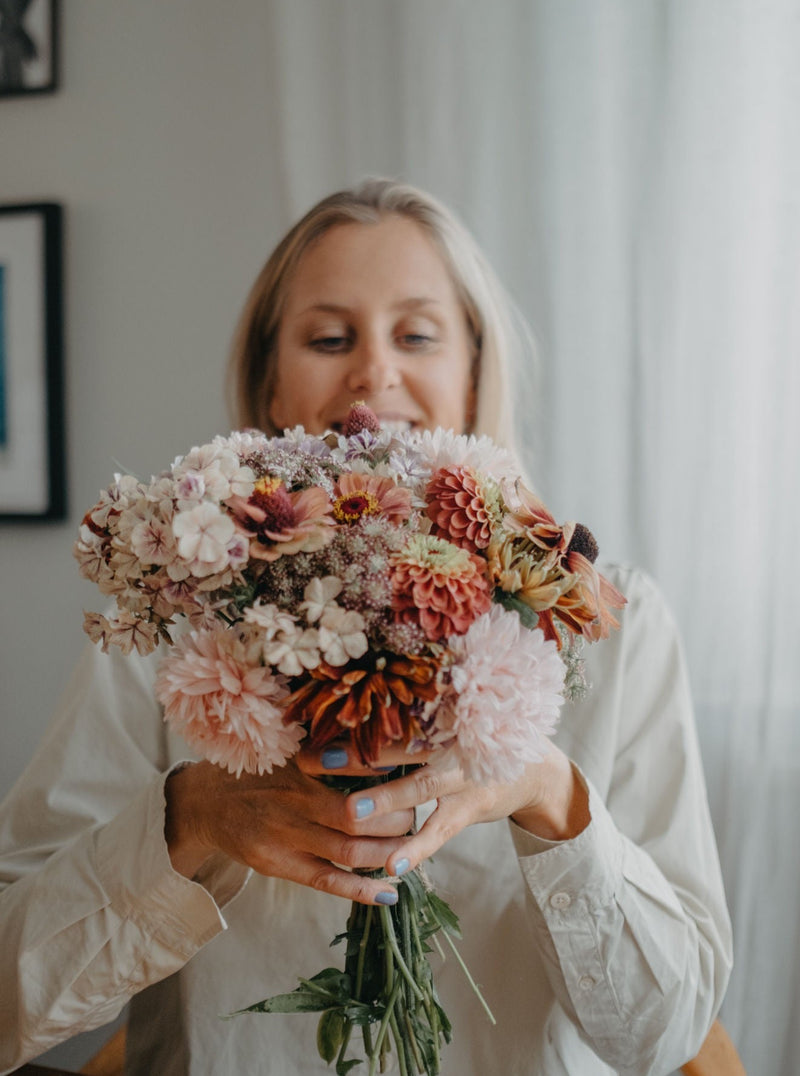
416	341
330	343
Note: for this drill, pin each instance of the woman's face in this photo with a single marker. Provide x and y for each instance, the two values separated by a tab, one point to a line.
372	314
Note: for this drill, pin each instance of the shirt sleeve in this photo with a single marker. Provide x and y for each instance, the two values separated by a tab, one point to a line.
91	910
631	915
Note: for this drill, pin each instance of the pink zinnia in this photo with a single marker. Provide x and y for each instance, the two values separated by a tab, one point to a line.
504	698
360	495
224	703
281	522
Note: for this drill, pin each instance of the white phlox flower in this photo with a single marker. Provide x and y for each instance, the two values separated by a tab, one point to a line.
152	541
293	653
270	619
319	595
203	535
341	635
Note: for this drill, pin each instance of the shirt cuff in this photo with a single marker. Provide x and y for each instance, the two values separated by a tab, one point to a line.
586	868
133	865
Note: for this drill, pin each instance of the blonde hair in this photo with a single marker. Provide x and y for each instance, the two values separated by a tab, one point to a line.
489	312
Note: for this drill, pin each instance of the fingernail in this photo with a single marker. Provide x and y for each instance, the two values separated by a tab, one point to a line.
364	807
333	758
385	769
389	897
400	867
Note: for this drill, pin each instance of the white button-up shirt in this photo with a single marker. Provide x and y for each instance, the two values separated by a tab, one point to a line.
607	953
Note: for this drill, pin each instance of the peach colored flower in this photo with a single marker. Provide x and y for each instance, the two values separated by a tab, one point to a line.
529	516
224	703
438	586
457	508
359	495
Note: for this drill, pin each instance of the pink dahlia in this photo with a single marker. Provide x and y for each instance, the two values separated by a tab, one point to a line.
457	508
504	698
224	703
438	586
359	495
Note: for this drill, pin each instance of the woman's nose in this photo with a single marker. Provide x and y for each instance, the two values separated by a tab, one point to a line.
373	368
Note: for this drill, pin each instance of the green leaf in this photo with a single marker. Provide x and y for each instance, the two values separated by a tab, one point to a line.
297	1001
330	1034
529	618
344	1067
416	889
444	915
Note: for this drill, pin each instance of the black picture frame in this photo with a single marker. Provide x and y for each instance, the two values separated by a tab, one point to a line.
28	47
32	435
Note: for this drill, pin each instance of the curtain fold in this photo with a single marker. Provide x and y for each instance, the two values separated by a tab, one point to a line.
632	169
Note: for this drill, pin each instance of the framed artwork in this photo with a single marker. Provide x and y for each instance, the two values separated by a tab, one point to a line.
28	46
32	467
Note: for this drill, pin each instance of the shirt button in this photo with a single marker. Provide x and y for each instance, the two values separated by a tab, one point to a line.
560	901
586	983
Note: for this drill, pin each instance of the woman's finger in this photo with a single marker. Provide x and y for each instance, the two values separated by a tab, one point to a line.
341	758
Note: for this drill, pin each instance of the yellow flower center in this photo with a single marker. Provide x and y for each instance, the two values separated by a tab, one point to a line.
355	505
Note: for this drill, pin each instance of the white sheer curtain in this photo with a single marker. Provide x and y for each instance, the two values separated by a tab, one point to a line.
633	170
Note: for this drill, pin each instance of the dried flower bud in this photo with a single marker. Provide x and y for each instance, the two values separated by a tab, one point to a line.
361	418
583	542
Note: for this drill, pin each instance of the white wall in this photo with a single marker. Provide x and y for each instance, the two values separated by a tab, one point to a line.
159	145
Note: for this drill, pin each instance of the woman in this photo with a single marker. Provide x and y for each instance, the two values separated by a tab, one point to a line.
590	896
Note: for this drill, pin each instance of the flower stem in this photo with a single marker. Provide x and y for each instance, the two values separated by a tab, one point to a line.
388	929
373	1061
472	982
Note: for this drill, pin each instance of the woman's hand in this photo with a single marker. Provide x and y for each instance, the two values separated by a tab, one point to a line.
548	800
286	824
289	824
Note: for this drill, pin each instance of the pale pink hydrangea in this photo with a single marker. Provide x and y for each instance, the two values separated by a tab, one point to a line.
504	699
225	704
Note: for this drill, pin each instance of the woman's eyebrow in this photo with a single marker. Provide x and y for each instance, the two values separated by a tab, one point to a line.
413	302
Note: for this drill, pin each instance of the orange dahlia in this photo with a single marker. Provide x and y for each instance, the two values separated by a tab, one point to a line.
377	699
457	508
438	586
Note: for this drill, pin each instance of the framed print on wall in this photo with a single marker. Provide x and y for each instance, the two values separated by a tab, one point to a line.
32	468
28	40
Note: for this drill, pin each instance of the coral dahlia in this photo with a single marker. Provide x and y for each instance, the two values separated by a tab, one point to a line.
438	586
457	508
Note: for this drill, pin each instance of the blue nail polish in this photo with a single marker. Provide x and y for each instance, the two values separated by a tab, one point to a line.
385	769
400	867
389	897
365	806
333	758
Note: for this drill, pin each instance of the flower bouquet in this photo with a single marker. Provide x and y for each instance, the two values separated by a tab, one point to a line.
384	585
